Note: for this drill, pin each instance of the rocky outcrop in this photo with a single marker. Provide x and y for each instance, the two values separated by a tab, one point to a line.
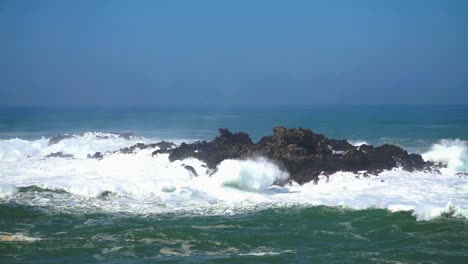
303	153
58	138
139	146
59	155
97	155
163	146
191	170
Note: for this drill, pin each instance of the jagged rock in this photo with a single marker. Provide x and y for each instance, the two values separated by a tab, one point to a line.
225	146
191	170
97	155
59	155
58	138
162	146
303	153
105	195
124	135
165	145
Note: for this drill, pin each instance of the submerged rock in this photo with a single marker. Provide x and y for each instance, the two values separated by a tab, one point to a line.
163	146
124	135
59	155
303	153
58	138
191	170
139	146
97	155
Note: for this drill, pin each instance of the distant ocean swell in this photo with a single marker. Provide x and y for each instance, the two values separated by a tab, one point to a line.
140	183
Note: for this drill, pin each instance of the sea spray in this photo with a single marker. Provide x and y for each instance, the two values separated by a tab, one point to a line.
252	174
142	183
76	145
450	153
7	189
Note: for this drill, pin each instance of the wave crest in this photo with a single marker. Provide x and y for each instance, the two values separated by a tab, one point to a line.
78	145
256	174
450	153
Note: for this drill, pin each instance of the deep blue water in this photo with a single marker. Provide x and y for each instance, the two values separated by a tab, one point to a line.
407	125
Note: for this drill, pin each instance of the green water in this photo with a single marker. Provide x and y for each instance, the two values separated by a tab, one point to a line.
47	233
286	235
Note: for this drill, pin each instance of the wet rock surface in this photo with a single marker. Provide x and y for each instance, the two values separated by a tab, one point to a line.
303	153
59	155
139	146
58	138
163	146
97	155
191	170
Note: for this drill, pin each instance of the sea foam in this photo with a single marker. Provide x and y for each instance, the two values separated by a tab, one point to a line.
253	174
140	183
451	153
79	145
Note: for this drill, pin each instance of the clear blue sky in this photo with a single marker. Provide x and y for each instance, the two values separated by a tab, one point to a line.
233	52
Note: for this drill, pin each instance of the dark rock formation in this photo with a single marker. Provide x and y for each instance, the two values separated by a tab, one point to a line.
161	145
58	138
59	155
303	153
97	155
124	135
191	170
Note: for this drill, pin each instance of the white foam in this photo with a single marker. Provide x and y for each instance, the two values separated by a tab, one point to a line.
451	153
140	183
79	145
258	174
14	149
17	237
357	143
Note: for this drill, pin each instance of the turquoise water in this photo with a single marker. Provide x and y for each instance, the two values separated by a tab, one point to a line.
70	224
373	123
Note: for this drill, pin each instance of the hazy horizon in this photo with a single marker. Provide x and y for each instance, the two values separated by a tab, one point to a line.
246	131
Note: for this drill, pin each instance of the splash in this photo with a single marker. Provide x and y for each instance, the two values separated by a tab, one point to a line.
257	174
140	183
357	143
450	153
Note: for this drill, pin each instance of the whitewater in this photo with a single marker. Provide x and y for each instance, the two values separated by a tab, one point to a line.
140	183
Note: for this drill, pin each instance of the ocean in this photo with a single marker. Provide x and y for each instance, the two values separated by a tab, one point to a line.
136	208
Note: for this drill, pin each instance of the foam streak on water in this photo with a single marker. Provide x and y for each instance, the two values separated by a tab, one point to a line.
139	183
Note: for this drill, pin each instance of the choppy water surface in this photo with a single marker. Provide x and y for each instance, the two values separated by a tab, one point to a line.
293	234
135	208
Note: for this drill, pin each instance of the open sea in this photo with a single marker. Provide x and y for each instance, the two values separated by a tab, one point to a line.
135	208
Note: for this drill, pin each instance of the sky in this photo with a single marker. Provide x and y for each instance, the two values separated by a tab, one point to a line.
176	53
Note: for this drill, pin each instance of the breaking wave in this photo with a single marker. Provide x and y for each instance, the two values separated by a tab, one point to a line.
451	153
79	145
254	175
140	183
